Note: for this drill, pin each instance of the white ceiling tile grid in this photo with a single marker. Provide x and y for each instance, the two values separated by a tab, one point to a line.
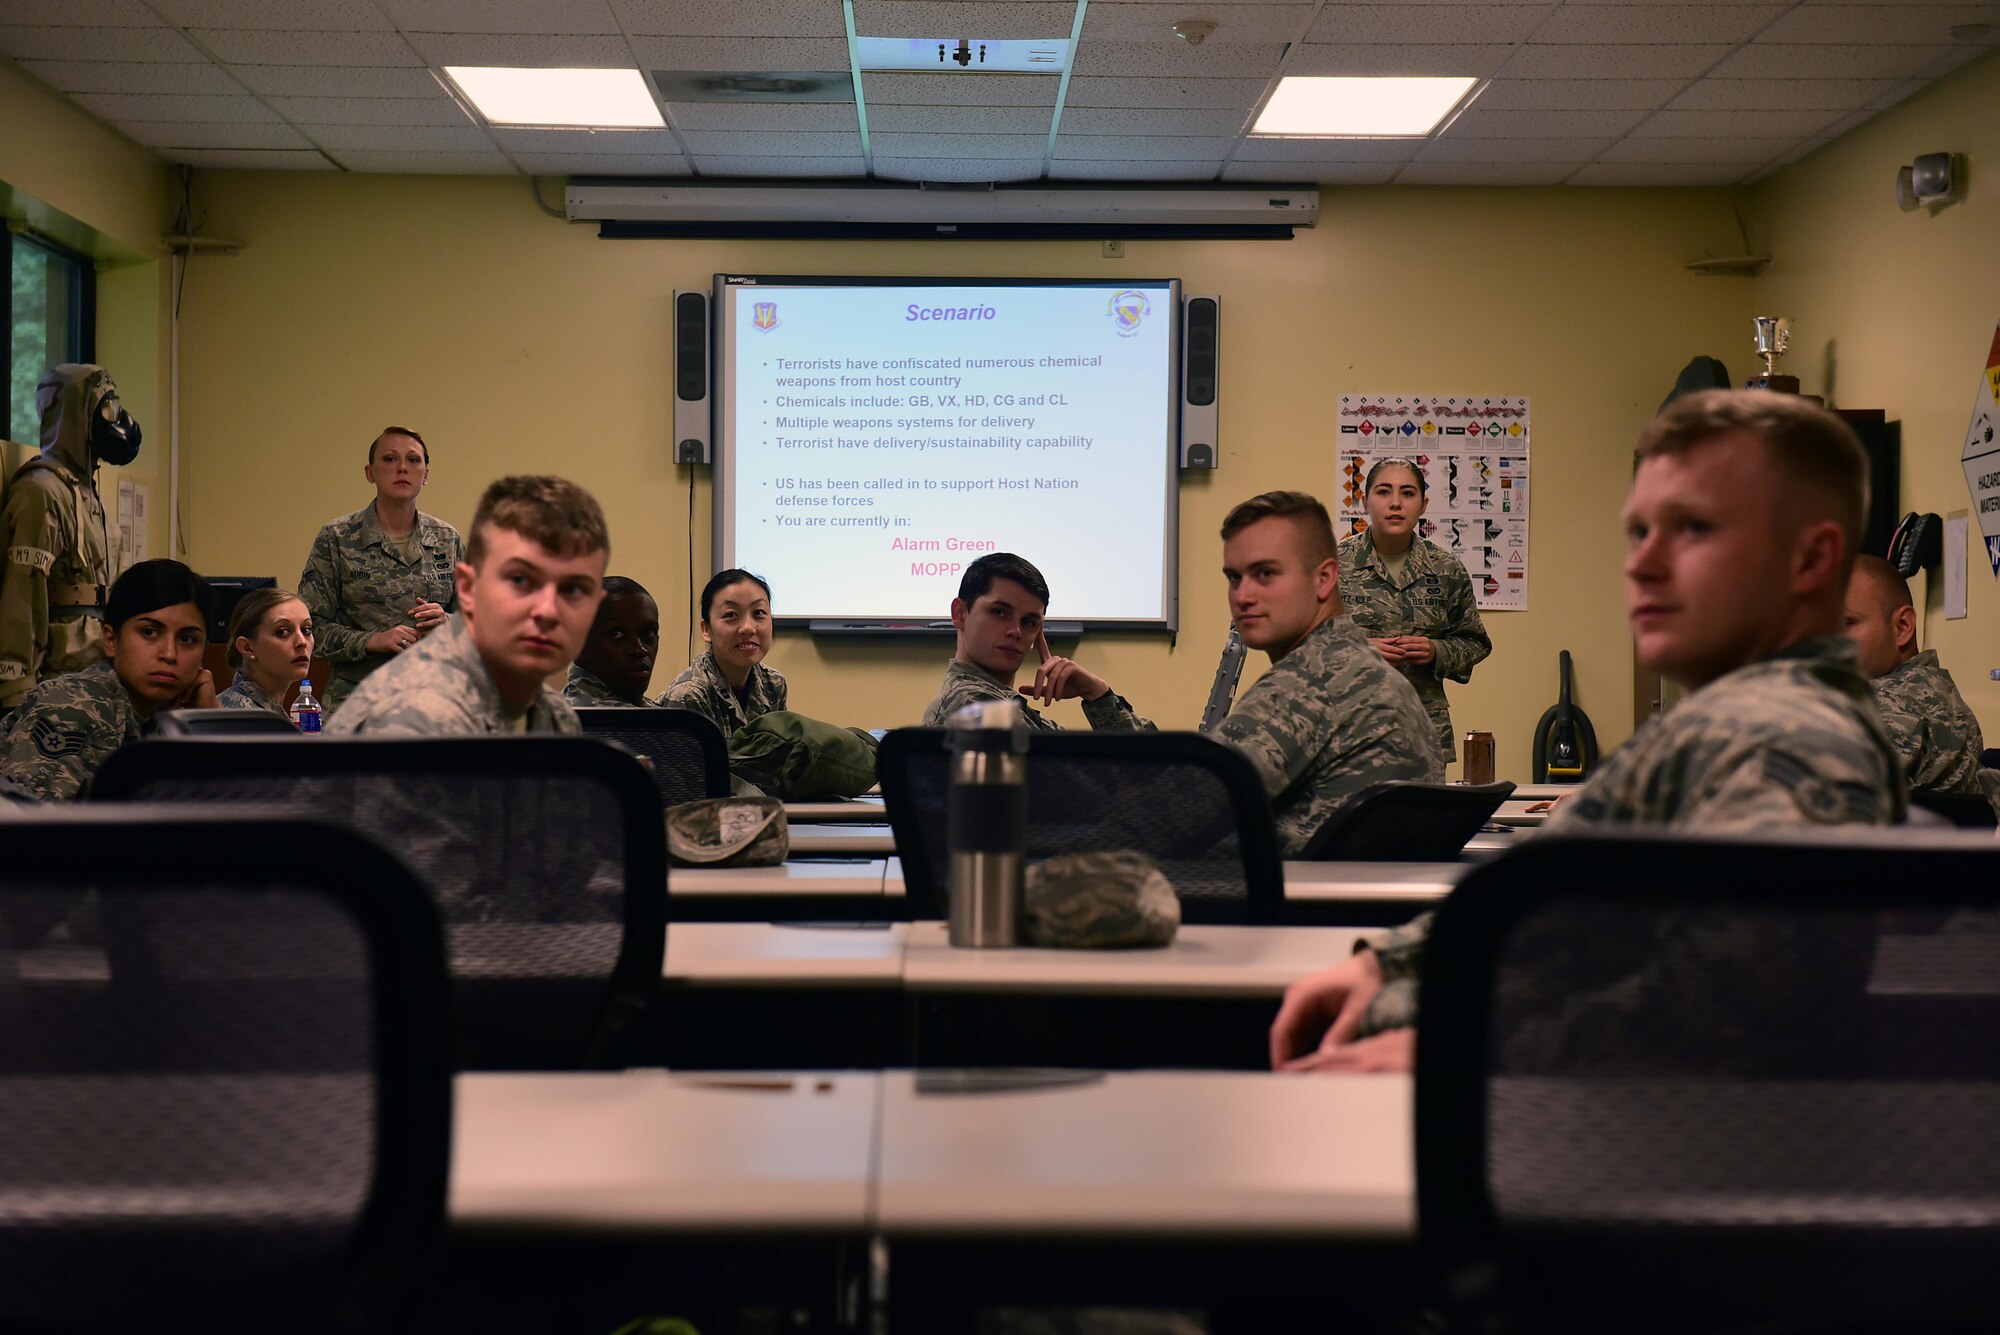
958	169
964	119
1115	22
1455	24
1014	21
730	18
944	90
958	145
425	164
436	109
502	16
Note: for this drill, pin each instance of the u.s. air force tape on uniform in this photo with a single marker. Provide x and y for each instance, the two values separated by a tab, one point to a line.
728	832
1119	900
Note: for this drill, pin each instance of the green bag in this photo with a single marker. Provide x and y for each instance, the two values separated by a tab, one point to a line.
798	759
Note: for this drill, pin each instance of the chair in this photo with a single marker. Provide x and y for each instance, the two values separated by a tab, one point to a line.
1404	821
1968	811
221	723
686	754
545	856
1189	802
1679	1084
225	1083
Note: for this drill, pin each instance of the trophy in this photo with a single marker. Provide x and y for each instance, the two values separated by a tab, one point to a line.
1774	335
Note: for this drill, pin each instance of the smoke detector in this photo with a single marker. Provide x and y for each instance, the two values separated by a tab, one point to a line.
1194	31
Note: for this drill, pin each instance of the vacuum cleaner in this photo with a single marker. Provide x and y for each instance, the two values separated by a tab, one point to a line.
1565	743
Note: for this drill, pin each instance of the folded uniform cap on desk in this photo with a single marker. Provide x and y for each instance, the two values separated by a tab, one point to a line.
1116	900
729	832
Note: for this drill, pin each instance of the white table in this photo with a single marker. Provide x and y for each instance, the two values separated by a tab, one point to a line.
852	839
868	810
763	954
646	1151
1419	884
787	878
1203	961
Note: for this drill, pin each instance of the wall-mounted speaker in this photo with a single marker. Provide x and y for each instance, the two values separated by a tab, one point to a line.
1201	361
691	383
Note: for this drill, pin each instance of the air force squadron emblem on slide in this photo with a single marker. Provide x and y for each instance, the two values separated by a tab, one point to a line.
1128	310
765	315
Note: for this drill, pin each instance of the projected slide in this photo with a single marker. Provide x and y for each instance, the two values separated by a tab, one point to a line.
875	439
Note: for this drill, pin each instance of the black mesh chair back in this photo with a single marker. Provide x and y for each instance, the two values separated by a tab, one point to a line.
1404	821
545	857
1680	1084
1188	802
221	723
683	750
225	1082
1968	811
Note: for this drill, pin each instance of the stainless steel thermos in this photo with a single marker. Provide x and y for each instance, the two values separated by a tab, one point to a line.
987	817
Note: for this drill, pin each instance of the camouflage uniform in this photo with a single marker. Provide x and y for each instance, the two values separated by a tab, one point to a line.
585	687
54	744
58	564
247	694
356	583
706	691
1326	721
1434	599
965	684
440	687
1787	742
1934	732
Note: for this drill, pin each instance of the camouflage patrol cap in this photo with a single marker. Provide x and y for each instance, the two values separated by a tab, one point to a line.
728	832
1103	901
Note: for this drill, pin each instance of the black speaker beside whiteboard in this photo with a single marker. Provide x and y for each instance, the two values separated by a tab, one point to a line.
691	416
1201	360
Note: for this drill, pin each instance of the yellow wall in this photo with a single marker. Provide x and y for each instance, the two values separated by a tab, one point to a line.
1897	310
517	342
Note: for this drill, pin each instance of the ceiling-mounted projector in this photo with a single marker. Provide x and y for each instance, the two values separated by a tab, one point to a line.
625	208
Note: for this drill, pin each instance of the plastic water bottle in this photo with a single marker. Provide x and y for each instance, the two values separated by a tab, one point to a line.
305	710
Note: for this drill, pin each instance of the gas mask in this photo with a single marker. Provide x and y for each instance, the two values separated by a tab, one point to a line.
114	435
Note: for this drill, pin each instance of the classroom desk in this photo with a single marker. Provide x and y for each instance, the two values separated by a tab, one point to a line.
1204	960
850	839
1366	893
762	954
790	890
868	810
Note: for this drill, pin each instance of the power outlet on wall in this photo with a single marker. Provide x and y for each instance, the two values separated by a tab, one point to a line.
1114	250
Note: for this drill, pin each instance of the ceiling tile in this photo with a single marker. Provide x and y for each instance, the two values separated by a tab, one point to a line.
1853	120
1773	60
277	15
587	141
731	18
765	116
249	159
1887	25
338	81
945	90
89	76
1457	24
1326	173
502	16
1152	120
81	13
741	53
1904	89
958	169
106	44
438	110
1576	94
1485	173
1483	122
1188	94
1276	151
726	165
1744	149
955	18
1720	124
1658	60
1657	174
712	143
307	48
406	138
1643	23
1117	22
1451	148
959	120
426	164
1085	169
115	107
602	164
1186	148
1217	60
545	51
203	134
1780	94
1420	58
986	146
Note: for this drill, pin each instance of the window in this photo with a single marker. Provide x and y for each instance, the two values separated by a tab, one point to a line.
51	296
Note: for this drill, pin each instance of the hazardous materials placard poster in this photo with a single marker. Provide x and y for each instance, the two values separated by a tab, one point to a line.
1982	454
1473	450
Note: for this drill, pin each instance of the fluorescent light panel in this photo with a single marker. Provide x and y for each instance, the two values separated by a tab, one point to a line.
1360	108
566	99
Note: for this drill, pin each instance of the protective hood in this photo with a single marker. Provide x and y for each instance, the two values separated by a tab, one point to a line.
76	431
